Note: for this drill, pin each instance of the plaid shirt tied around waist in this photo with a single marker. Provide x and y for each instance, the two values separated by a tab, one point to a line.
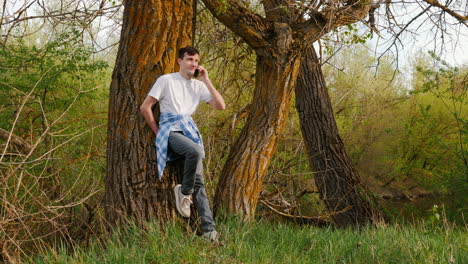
166	121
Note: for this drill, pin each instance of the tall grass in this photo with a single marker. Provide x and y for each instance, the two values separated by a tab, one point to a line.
262	242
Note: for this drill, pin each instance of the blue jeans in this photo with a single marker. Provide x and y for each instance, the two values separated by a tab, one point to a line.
192	183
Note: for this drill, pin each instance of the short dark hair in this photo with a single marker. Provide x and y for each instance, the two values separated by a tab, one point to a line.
189	50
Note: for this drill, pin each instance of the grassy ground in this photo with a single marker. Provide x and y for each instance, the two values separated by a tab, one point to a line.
262	242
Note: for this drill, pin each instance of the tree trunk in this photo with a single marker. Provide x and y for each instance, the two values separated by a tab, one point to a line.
242	176
277	40
152	33
338	182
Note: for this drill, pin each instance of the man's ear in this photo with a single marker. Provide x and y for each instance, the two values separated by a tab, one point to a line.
179	60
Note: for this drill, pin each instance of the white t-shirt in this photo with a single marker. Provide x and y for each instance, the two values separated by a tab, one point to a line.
178	95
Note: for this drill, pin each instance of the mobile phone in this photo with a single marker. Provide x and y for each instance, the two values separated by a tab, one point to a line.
195	74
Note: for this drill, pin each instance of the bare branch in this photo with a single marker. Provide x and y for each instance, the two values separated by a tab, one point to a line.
24	146
454	14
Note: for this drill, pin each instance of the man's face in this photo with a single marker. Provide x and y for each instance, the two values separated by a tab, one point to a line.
188	64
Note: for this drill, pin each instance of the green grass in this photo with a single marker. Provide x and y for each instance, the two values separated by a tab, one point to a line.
262	242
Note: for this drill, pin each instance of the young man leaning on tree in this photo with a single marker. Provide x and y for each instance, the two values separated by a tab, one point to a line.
177	135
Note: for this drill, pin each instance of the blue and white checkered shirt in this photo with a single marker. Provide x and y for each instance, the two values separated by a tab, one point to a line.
166	121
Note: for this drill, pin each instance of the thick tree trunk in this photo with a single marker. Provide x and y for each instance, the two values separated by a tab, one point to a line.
152	33
337	181
242	176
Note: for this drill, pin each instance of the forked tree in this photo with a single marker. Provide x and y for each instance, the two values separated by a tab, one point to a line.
281	39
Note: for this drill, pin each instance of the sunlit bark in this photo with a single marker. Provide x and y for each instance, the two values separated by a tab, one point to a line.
152	33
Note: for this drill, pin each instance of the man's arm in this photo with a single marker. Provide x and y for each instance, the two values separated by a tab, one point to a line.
217	101
147	112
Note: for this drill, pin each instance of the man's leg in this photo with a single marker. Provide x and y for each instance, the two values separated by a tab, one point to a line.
202	205
192	183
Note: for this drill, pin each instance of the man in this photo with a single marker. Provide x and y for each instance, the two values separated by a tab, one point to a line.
177	134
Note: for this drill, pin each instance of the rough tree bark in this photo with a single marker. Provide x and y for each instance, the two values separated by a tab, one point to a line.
152	33
278	39
251	154
338	182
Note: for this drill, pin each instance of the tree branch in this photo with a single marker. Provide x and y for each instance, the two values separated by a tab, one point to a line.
281	10
454	14
17	141
340	14
245	23
350	12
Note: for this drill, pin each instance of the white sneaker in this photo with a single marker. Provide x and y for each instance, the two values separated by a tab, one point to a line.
211	236
183	202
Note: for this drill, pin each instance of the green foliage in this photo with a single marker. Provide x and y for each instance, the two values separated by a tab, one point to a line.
53	97
352	36
434	139
54	74
366	105
344	36
260	242
407	140
435	218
